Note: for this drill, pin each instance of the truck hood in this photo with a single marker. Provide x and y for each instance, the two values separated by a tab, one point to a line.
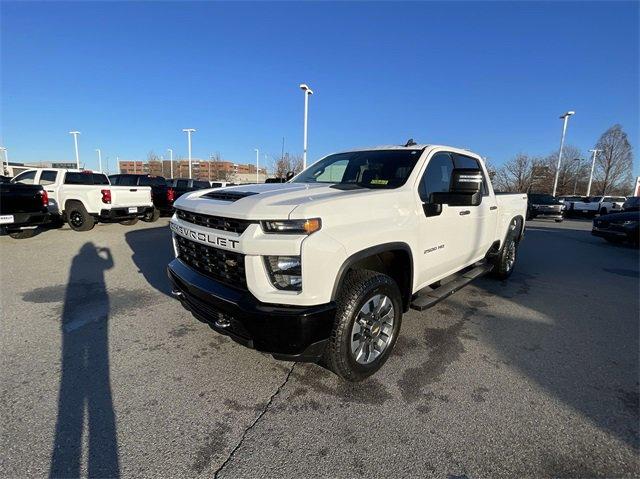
262	201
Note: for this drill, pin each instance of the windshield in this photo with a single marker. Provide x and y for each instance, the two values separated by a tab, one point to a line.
542	199
380	169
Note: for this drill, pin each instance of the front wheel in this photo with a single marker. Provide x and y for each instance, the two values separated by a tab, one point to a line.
152	216
23	234
366	326
506	260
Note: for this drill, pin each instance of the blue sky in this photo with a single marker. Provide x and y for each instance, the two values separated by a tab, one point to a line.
492	77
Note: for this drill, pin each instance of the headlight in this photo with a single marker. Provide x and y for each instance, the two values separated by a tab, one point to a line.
292	226
285	272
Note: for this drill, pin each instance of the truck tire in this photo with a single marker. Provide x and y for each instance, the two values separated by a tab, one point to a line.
366	326
23	234
152	216
505	261
130	222
78	218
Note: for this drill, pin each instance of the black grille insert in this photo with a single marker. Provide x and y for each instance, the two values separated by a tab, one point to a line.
221	265
228	195
214	222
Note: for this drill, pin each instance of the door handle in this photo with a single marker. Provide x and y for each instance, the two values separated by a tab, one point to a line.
465	212
49	191
493	208
133	189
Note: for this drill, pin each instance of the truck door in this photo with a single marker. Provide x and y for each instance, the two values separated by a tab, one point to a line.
48	181
441	233
480	221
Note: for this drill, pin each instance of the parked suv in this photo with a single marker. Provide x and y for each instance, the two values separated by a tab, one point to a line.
324	266
162	195
593	205
82	198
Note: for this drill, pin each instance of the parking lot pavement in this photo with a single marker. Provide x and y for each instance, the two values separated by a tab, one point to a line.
103	374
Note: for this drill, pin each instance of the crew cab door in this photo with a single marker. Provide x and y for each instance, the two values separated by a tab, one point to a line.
48	178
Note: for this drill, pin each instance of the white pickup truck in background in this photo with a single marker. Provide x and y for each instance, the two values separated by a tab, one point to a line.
592	205
323	266
82	198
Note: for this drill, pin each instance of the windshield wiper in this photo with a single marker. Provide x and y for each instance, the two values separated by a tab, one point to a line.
348	186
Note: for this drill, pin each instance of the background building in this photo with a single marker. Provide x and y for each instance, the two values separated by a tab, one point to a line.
201	170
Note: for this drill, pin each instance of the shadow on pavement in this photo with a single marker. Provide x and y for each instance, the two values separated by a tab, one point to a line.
152	252
574	328
85	388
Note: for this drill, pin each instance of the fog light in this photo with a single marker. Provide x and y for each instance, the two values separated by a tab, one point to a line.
285	272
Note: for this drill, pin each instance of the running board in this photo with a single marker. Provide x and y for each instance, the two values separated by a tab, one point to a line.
430	298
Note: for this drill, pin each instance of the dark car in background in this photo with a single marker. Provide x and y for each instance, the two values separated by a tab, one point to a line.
618	227
185	185
22	209
162	194
540	205
632	204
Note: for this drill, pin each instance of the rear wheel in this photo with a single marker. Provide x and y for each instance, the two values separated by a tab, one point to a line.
79	219
129	222
506	259
366	326
152	216
23	234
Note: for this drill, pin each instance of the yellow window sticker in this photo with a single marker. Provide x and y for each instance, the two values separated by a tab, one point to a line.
379	182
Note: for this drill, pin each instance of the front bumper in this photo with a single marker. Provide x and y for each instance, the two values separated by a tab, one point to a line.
295	333
120	214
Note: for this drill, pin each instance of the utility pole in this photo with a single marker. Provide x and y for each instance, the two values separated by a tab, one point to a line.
99	160
564	117
5	159
307	91
188	131
257	157
75	141
593	164
171	160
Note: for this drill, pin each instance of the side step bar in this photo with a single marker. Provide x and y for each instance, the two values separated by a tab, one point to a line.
430	298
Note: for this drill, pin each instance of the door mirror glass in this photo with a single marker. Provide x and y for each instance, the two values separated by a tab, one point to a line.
465	189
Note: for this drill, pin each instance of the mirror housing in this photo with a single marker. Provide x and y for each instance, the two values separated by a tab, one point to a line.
465	189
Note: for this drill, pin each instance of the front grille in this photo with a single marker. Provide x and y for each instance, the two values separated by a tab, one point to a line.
214	222
221	265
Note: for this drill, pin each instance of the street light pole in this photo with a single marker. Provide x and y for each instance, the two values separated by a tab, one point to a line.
575	185
171	160
75	141
188	131
307	91
593	164
257	157
564	117
5	159
99	160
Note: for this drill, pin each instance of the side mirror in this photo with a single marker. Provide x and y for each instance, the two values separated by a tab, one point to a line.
465	189
290	175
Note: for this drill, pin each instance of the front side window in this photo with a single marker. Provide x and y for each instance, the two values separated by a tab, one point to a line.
25	178
437	176
374	169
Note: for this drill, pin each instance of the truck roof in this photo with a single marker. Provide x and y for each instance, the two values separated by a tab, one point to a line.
415	147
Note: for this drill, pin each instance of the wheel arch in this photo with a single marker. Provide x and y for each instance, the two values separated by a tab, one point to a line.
393	259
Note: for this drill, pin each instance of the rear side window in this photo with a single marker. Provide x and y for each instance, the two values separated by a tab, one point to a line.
201	184
152	181
128	180
48	177
437	176
75	178
25	178
182	184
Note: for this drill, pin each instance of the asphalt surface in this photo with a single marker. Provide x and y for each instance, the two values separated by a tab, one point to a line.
103	374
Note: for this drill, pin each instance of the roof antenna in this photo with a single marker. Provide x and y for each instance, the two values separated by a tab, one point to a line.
411	142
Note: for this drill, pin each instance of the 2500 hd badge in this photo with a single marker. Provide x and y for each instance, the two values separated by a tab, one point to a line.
203	237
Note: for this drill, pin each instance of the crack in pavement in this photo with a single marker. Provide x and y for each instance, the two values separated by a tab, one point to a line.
255	421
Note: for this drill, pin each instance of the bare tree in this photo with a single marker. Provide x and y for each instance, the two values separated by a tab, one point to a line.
288	163
614	166
518	174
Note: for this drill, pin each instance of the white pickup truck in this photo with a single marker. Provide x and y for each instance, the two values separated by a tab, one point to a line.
324	266
592	205
82	198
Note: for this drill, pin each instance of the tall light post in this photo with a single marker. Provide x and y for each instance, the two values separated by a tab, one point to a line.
171	160
593	164
307	91
5	160
188	131
564	117
75	141
99	159
575	185
257	157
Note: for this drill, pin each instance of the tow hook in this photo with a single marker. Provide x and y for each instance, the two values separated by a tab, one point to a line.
177	294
